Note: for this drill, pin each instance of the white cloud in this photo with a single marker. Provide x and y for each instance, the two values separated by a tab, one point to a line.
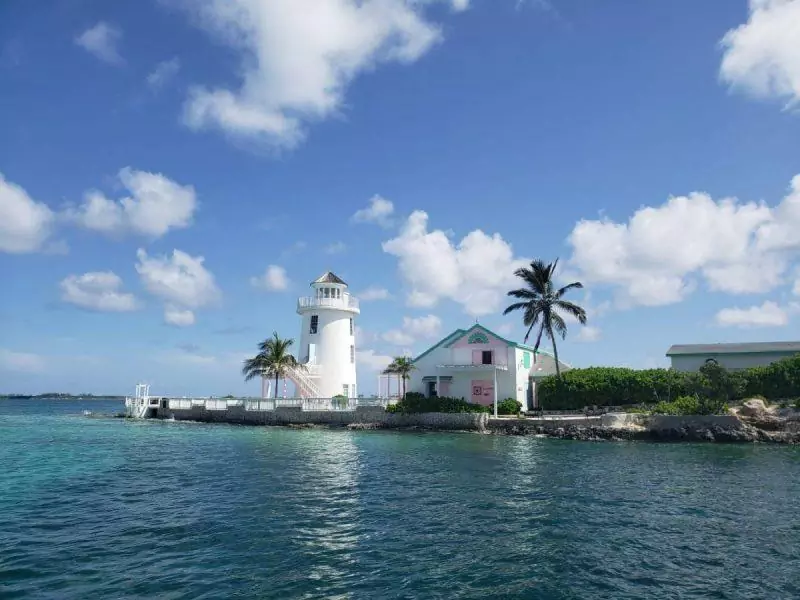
181	281
768	314
372	361
335	248
762	56
373	293
156	204
179	317
657	257
21	361
413	329
101	41
298	57
504	329
476	273
25	224
588	333
164	72
99	291
273	279
379	210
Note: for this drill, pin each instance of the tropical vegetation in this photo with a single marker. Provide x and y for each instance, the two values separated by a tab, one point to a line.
509	406
414	402
402	367
273	360
542	303
713	386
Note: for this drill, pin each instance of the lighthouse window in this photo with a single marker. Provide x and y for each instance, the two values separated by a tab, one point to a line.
352	353
351	326
314	323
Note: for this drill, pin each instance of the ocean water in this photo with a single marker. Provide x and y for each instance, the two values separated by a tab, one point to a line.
107	508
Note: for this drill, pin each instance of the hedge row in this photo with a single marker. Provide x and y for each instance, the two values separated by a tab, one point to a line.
614	386
417	403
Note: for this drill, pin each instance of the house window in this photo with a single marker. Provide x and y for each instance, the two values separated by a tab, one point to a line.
487	358
352	353
326	293
314	323
526	360
351	326
432	391
346	390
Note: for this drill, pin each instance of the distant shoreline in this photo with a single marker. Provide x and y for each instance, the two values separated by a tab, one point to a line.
58	397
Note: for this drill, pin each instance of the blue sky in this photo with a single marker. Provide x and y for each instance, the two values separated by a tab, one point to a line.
175	173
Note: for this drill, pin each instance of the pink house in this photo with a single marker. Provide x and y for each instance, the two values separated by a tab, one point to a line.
480	366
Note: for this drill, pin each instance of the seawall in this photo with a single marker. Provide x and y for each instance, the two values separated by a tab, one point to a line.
613	426
363	417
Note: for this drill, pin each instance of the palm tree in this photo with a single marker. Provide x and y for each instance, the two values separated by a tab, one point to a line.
273	360
541	304
402	367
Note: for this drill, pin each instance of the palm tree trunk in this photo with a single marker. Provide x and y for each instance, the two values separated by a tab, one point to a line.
276	384
555	353
404	386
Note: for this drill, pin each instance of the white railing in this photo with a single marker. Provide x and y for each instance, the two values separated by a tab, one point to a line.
306	386
346	302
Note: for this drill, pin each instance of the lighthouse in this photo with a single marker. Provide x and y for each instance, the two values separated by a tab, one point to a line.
327	340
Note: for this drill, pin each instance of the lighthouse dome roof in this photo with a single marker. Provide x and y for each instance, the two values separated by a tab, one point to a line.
329	277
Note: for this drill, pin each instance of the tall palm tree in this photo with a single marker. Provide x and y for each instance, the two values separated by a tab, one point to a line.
541	303
402	367
273	360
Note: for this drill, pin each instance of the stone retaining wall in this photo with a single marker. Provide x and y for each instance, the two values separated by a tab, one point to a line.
367	416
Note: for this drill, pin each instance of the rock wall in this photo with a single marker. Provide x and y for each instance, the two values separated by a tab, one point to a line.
367	417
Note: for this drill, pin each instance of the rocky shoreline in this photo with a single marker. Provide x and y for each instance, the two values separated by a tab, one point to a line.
687	433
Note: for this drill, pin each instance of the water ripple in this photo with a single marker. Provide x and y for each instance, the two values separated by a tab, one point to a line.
113	509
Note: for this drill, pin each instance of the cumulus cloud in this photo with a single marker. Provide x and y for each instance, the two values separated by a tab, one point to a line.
274	279
155	205
102	41
181	281
588	333
25	224
379	211
413	329
179	317
98	291
769	314
476	272
762	56
21	361
373	293
658	256
372	361
298	58
164	72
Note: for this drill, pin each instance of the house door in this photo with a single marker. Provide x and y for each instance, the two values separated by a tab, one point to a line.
432	391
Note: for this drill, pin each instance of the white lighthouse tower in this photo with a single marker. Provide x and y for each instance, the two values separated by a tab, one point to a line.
327	340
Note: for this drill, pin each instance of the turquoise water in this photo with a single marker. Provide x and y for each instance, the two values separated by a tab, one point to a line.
105	508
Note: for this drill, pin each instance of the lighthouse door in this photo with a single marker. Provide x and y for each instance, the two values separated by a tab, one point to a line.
312	354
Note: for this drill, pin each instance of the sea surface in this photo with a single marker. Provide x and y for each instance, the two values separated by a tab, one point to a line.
108	508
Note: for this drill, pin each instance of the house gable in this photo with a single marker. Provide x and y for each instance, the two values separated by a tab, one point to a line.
477	336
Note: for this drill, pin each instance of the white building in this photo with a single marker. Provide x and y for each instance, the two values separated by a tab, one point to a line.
479	366
327	340
690	357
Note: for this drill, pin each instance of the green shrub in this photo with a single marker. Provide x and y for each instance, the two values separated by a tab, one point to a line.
417	403
797	403
684	405
509	406
615	386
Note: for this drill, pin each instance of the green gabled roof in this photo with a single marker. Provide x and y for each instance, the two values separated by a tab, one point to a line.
445	339
456	335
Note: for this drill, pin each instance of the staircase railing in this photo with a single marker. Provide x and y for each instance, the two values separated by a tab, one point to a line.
306	386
